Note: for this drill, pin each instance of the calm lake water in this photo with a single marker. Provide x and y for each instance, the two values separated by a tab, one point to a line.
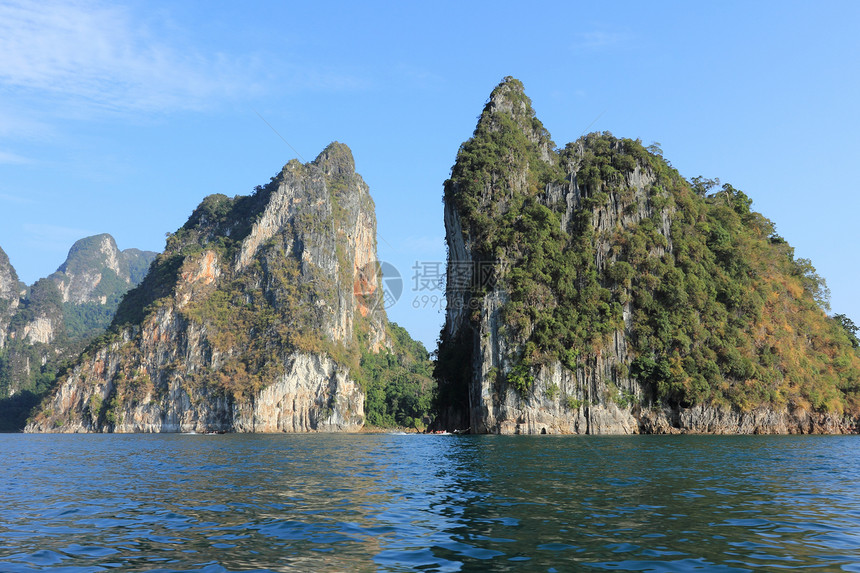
428	503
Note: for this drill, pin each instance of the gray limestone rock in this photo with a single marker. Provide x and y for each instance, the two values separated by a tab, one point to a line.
247	321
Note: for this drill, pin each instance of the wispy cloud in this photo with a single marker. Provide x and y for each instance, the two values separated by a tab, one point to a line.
19	121
419	77
100	55
424	245
52	238
12	158
322	79
7	198
597	40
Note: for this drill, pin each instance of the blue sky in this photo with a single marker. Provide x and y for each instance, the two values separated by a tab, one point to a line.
121	117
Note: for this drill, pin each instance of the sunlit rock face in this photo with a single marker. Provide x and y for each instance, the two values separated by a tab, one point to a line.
250	321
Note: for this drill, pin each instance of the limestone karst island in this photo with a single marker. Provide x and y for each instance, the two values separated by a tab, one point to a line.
605	294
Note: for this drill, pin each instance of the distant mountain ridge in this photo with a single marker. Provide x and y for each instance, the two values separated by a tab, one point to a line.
93	280
95	264
49	322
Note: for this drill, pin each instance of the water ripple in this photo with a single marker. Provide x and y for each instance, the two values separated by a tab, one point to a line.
428	503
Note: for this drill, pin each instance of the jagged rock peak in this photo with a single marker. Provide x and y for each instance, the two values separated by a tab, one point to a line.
508	104
336	160
90	251
96	270
510	96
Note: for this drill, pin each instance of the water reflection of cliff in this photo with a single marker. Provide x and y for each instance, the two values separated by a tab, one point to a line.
627	503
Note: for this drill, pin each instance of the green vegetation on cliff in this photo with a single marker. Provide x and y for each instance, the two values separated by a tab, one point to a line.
720	310
29	367
44	332
254	308
398	382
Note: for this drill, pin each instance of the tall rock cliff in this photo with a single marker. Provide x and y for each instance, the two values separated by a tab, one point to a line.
254	318
591	289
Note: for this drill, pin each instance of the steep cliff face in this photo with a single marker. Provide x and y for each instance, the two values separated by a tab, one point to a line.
591	289
254	318
9	295
79	298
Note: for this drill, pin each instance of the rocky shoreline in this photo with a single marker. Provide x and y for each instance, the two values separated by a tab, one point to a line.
701	419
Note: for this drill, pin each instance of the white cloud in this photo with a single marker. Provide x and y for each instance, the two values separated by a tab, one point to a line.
52	238
418	77
100	55
601	40
5	197
12	158
424	245
19	121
